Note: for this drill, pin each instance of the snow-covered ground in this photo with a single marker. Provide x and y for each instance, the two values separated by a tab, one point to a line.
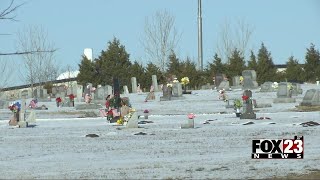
57	147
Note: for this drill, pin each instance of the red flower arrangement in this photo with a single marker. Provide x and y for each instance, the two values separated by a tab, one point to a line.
58	99
245	98
71	97
13	108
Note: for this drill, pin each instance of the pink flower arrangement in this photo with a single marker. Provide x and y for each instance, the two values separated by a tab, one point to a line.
146	111
191	116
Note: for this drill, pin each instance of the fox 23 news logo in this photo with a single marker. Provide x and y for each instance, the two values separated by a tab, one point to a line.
278	148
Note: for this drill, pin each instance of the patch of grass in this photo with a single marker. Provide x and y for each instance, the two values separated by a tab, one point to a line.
306	108
199	169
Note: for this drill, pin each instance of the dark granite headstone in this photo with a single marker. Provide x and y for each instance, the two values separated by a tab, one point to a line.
249	79
218	79
248	107
116	92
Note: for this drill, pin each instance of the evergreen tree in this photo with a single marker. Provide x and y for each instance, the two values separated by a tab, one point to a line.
87	71
216	66
294	71
266	69
252	63
114	62
174	66
237	64
312	61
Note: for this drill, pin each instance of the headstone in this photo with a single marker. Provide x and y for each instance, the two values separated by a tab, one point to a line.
134	84
236	81
155	83
25	94
189	125
109	90
284	94
133	121
311	98
22	120
218	79
224	85
207	86
79	92
177	89
267	87
167	93
88	106
125	90
3	104
116	92
32	117
296	89
248	106
100	93
249	79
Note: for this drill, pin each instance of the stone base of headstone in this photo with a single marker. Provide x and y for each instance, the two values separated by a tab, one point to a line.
236	87
284	100
133	121
248	116
263	105
189	125
150	96
172	98
88	106
23	124
163	98
187	92
13	122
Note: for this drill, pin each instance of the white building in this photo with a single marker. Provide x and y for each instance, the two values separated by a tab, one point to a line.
87	52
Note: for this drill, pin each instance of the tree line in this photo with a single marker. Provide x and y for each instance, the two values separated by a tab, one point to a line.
115	62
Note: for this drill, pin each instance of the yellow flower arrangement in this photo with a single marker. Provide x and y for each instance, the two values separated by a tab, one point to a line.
120	121
185	80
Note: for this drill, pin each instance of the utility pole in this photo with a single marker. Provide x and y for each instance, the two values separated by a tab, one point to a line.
200	52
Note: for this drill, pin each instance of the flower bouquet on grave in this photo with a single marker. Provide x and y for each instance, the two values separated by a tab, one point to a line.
71	99
15	108
185	81
146	113
58	101
237	106
246	99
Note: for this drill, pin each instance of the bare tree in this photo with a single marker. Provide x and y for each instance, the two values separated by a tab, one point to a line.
233	37
8	13
39	67
6	72
160	38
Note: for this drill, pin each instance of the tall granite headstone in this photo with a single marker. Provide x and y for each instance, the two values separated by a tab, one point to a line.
249	79
248	106
116	92
177	89
155	83
218	79
134	84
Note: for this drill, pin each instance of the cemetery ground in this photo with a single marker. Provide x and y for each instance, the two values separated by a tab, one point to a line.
57	147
